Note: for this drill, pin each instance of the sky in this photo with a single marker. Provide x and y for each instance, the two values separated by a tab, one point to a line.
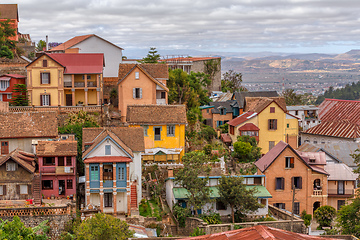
293	26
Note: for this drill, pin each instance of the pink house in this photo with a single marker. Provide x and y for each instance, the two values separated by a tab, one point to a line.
7	84
57	167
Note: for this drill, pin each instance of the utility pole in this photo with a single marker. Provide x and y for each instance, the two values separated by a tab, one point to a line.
292	211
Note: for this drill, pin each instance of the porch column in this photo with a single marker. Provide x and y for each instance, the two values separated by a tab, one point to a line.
101	200
114	175
128	189
86	90
87	183
73	89
98	89
114	202
101	176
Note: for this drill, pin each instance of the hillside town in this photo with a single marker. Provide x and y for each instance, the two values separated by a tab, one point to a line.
95	143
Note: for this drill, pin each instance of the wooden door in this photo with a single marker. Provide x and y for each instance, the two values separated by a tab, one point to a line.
4	148
68	99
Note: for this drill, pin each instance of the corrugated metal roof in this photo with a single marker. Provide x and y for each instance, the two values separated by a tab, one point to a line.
302	107
242	118
343	129
249	127
340	171
80	63
335	110
318	157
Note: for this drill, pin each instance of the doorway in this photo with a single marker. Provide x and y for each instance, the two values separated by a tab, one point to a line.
68	99
61	187
316	206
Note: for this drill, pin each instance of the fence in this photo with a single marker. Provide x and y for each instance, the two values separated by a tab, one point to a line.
37	211
59	109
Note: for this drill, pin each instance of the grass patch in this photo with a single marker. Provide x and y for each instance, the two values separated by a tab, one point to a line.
156	211
145	209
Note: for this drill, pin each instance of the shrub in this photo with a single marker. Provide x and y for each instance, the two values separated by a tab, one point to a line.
207	133
207	149
324	215
181	214
197	232
212	218
306	217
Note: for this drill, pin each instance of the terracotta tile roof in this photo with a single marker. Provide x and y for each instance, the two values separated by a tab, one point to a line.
258	232
240	96
242	118
28	124
107	159
249	127
332	110
79	63
26	160
257	104
342	129
225	137
56	148
156	114
132	137
156	70
9	11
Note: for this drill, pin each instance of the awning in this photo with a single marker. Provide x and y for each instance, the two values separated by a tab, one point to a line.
5	78
262	192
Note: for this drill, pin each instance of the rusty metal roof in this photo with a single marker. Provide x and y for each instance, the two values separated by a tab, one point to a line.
335	110
343	129
242	118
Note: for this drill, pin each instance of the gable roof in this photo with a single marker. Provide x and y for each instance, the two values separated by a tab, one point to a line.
318	158
242	118
265	161
257	232
132	137
75	40
13	75
336	110
156	114
56	148
258	104
9	11
26	160
340	171
154	72
28	125
249	127
218	105
240	96
308	147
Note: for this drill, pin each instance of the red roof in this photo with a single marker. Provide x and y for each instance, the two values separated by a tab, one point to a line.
80	63
342	129
225	137
249	127
242	118
258	232
14	75
335	110
108	159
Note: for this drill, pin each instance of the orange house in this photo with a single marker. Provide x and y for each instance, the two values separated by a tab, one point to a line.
10	11
142	84
284	168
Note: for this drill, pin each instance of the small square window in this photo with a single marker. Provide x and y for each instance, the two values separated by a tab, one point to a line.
163	95
11	166
289	162
272	109
171	130
107	149
23	189
137	75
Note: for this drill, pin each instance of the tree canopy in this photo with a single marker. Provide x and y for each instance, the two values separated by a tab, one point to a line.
20	95
246	149
291	98
7	45
152	56
349	92
40	46
324	215
234	193
195	165
15	229
348	218
232	82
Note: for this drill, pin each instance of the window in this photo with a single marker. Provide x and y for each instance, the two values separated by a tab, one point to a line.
146	130
121	173
2	190
108	172
288	125
297	208
137	75
297	182
137	93
11	166
341	188
207	110
279	183
157	132
45	100
219	123
340	203
47	184
88	77
289	162
272	124
171	130
271	145
222	111
232	130
4	147
108	199
23	189
296	113
220	205
272	109
45	78
69	184
4	85
45	63
9	96
68	161
107	149
61	161
163	95
48	161
94	173
279	205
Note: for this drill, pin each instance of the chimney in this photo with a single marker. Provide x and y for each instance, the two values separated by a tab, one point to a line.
170	172
47	43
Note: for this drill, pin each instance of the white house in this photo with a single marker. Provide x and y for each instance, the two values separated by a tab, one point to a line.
175	194
308	115
94	44
112	158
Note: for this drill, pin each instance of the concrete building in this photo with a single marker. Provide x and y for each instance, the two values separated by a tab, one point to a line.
308	115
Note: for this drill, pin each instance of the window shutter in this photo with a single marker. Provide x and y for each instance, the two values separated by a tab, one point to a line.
282	183
134	93
300	182
292	182
275	124
49	100
18	189
29	189
140	93
44	63
292	162
4	190
41	100
284	206
269	120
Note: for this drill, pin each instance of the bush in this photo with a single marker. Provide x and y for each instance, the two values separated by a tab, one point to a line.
197	232
207	149
212	218
324	215
224	128
306	217
207	133
6	52
181	214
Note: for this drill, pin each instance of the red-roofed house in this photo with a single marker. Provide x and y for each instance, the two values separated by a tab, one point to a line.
284	167
10	12
66	79
7	83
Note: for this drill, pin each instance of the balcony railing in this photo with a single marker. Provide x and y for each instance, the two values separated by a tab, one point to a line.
67	84
91	84
79	84
317	192
160	101
334	191
57	170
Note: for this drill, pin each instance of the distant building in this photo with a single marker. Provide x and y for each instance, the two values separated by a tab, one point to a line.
308	115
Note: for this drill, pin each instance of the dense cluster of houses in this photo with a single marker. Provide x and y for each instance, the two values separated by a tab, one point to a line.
37	163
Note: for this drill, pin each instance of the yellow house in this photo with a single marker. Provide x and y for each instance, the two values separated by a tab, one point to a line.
267	120
66	79
164	130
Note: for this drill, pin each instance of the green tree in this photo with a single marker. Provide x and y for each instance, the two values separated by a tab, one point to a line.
211	67
246	149
195	165
306	217
232	82
6	52
102	226
356	157
348	218
20	95
152	56
40	46
16	230
7	31
233	192
324	215
291	98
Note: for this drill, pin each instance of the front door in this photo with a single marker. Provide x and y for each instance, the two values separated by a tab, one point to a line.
61	187
68	99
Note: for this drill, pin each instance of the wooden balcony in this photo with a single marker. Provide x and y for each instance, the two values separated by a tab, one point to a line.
57	170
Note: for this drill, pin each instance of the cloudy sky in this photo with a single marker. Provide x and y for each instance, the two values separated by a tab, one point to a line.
322	26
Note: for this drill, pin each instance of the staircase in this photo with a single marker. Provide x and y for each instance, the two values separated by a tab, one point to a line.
36	189
133	197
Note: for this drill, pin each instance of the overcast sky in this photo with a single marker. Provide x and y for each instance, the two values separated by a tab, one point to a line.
322	26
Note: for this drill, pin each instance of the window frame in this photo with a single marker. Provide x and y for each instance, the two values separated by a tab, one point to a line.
272	124
94	172
170	130
45	100
4	147
289	162
281	181
159	135
299	182
297	208
22	187
108	150
137	75
121	174
47	188
108	201
272	109
137	93
42	74
11	166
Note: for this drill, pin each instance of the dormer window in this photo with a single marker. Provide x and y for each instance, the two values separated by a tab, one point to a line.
11	166
222	111
312	160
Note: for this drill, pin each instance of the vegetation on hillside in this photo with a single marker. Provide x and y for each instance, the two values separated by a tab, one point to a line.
349	92
7	46
16	229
